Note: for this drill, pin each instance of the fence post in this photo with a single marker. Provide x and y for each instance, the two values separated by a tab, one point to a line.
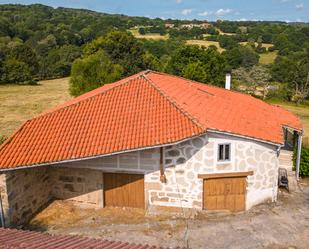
299	143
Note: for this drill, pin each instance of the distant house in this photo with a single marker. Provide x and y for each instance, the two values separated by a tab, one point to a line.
204	25
169	25
149	140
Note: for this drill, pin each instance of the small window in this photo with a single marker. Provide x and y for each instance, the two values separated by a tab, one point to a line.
224	152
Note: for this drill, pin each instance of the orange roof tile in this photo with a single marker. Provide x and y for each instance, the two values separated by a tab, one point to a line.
144	110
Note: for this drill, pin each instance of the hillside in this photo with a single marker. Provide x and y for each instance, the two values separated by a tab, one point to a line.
39	42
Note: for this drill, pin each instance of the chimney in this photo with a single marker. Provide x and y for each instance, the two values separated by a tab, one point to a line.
228	81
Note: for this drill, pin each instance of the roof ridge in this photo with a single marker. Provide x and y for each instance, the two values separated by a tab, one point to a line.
19	129
90	97
172	101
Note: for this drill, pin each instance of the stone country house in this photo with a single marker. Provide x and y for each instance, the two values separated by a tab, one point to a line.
146	141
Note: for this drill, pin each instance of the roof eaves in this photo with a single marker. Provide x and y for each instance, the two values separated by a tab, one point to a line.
100	155
10	138
244	136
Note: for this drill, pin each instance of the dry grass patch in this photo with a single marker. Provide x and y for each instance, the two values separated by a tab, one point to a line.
61	214
150	36
268	57
224	33
67	214
205	44
19	103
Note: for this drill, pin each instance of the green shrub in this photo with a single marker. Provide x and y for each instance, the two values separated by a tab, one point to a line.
32	82
304	161
3	138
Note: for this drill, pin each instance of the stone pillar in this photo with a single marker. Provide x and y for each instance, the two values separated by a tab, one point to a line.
4	205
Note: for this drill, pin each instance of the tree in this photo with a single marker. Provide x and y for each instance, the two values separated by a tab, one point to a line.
122	48
59	60
255	76
241	56
92	72
15	71
187	60
227	41
294	70
195	71
27	55
141	31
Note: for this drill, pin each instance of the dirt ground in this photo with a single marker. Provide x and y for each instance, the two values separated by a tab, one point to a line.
284	224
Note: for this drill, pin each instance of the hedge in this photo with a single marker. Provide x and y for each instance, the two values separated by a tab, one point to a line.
304	161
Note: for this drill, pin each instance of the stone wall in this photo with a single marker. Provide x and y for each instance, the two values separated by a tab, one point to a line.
24	192
84	186
183	163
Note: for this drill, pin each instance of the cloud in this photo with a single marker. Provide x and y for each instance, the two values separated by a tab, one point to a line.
299	6
222	12
205	13
186	11
178	1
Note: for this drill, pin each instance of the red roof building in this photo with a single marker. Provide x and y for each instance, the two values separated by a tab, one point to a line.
144	110
151	139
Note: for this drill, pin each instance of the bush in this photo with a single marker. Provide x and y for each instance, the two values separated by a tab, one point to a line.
32	82
304	161
3	138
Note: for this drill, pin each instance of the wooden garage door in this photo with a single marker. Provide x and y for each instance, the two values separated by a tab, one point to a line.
124	190
225	193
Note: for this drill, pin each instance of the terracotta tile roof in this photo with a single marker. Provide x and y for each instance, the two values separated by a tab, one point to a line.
228	111
144	110
17	239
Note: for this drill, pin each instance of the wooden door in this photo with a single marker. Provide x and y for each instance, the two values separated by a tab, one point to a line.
225	193
124	190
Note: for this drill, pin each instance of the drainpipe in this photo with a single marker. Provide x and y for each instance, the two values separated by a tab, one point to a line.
1	212
162	175
299	143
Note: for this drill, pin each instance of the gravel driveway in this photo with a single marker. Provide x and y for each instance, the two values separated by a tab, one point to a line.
284	224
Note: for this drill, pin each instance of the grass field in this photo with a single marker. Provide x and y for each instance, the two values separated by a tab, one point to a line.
205	43
268	57
153	36
19	103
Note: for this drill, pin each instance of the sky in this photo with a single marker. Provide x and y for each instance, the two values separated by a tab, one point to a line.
269	10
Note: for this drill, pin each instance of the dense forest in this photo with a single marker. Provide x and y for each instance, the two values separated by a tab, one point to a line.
40	42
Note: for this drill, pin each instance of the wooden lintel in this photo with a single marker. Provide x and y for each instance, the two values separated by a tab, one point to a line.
225	175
